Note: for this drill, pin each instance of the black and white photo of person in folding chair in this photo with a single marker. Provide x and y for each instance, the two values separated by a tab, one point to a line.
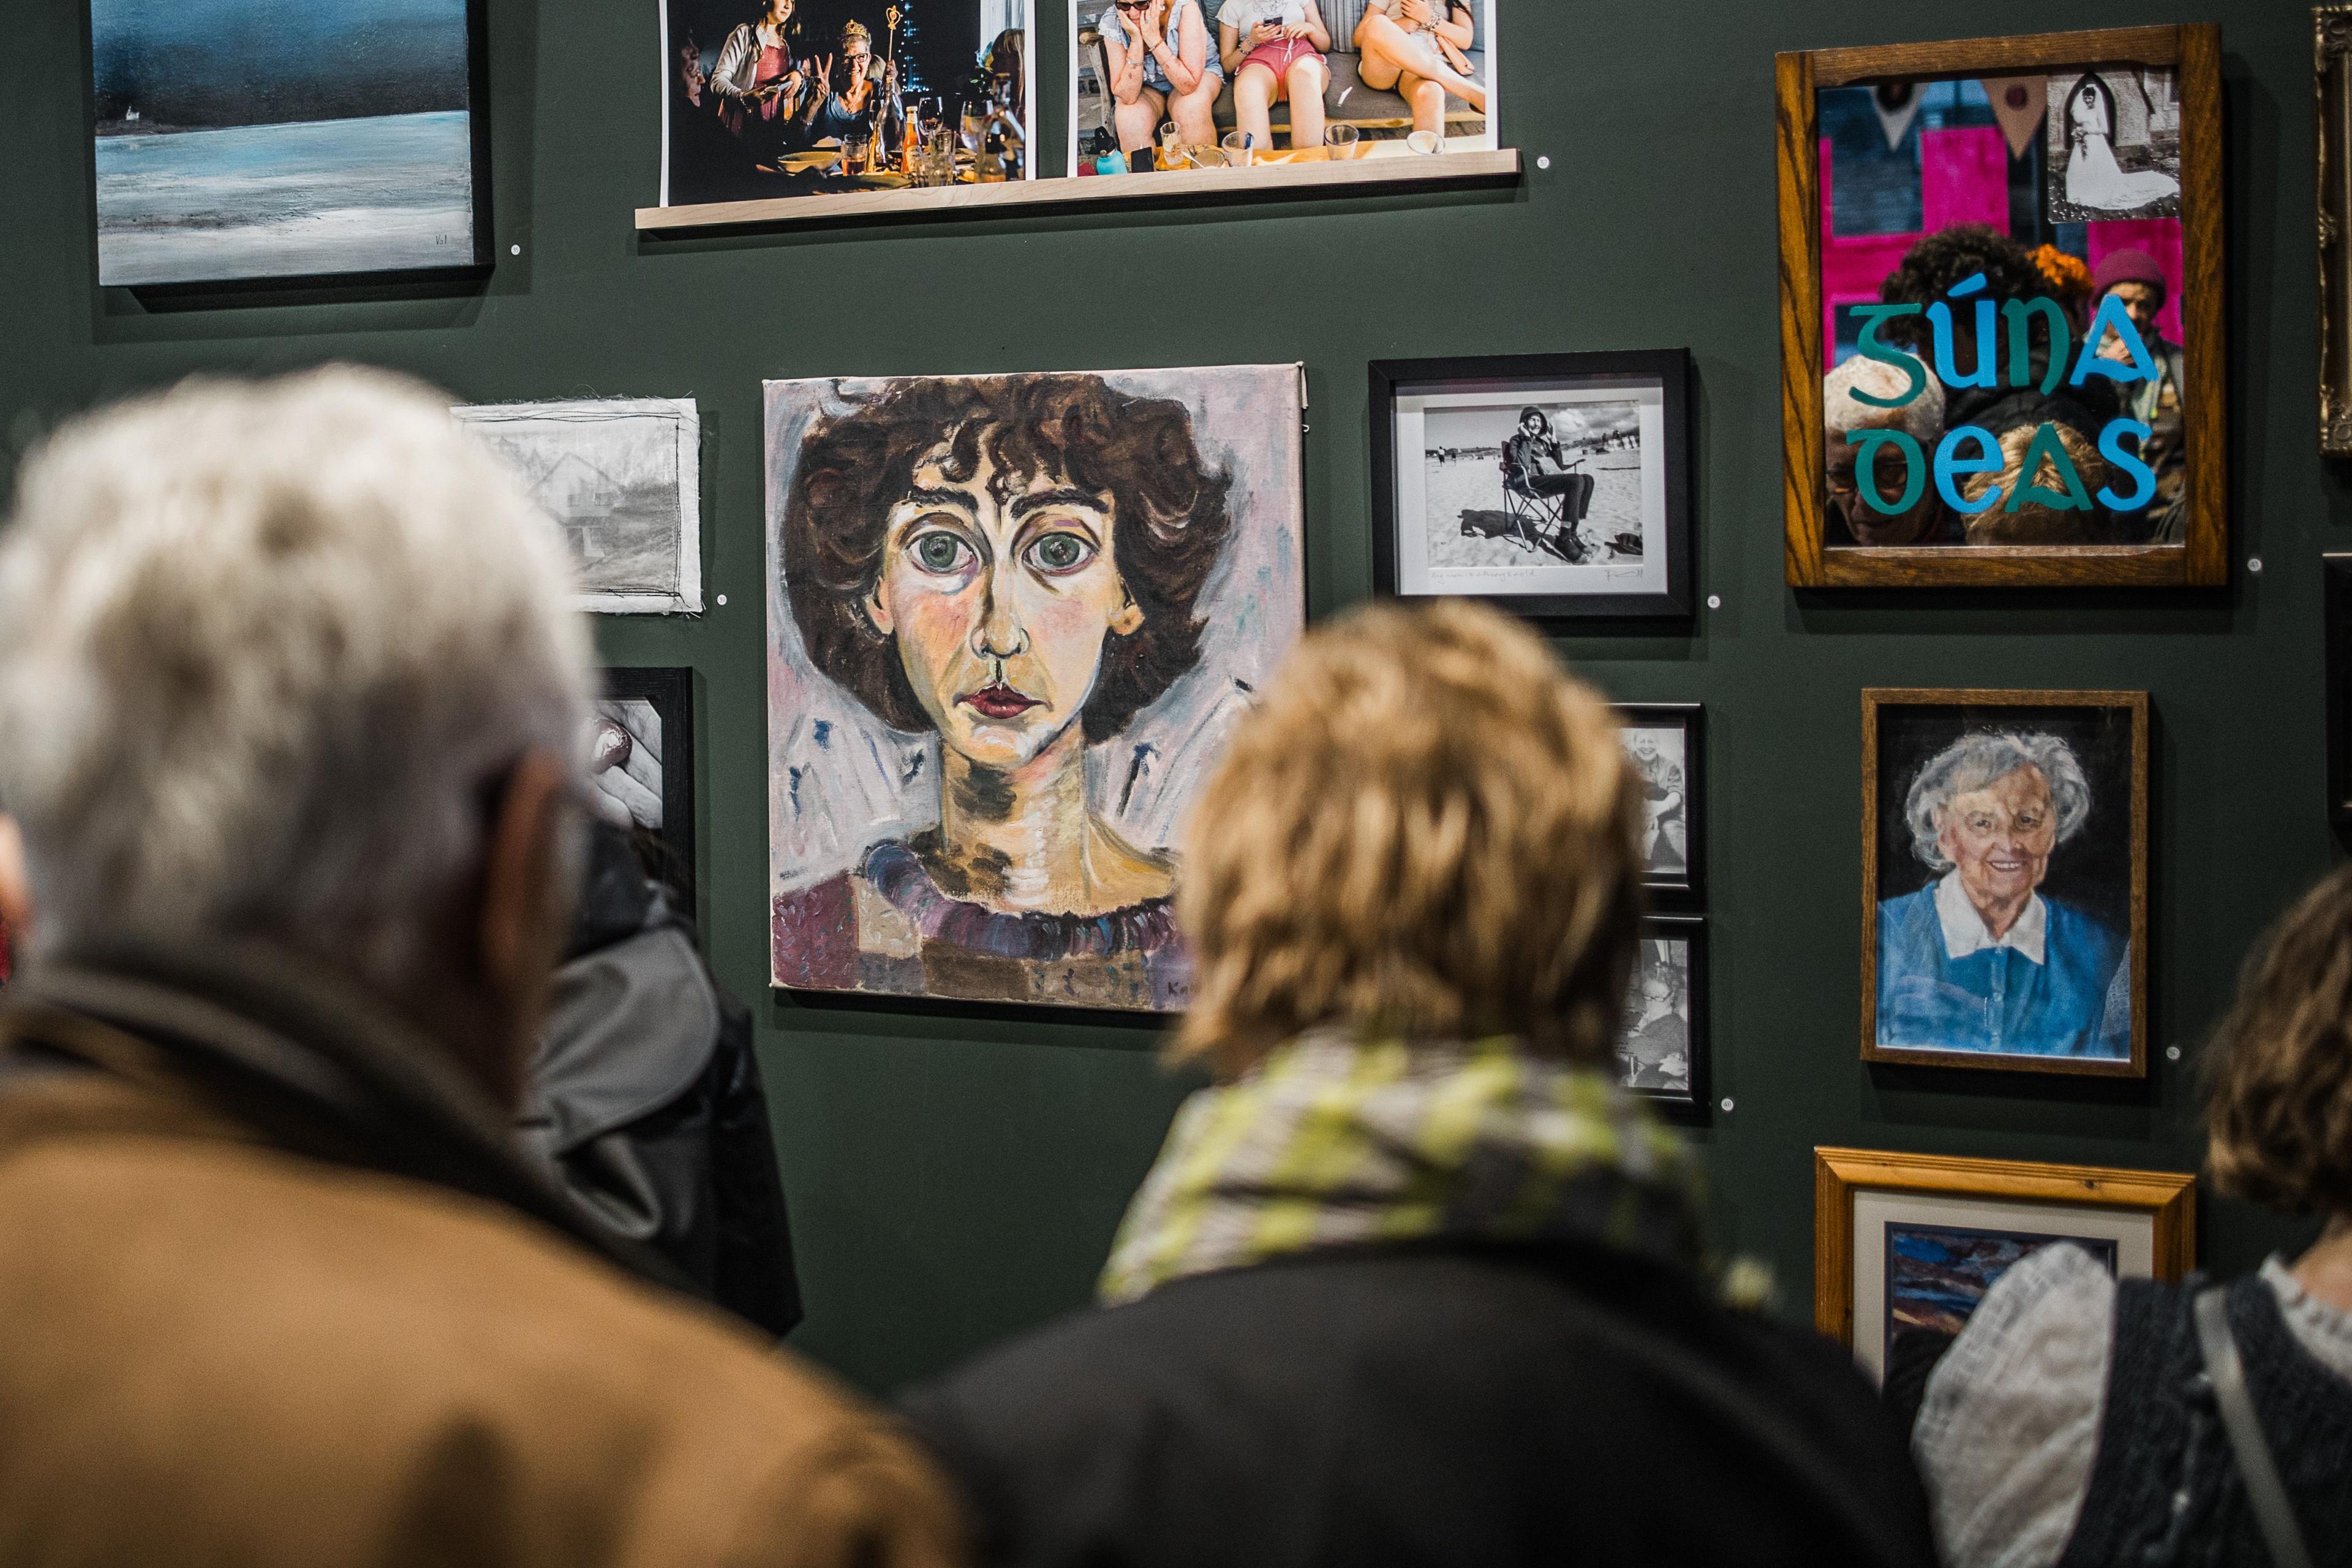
1545	495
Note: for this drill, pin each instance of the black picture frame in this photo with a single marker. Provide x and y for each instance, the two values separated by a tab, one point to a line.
670	689
1689	1103
1526	376
455	274
1690	889
2336	615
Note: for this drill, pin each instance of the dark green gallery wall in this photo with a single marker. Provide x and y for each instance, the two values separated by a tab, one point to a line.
955	1175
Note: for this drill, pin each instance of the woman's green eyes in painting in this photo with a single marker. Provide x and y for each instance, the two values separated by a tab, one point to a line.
938	552
1060	553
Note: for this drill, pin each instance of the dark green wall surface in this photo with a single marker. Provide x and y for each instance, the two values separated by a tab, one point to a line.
956	1175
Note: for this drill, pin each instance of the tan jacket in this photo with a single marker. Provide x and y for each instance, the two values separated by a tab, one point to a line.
217	1350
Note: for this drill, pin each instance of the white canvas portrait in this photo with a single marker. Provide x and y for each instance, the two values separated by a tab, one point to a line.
623	478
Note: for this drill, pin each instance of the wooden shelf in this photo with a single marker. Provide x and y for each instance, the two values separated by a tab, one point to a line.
1353	177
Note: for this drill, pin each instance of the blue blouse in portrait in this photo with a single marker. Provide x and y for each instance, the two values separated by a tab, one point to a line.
2075	1001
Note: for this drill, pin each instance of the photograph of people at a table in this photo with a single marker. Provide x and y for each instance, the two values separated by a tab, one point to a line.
784	98
1191	84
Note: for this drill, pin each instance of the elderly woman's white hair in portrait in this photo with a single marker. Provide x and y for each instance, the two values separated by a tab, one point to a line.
1974	761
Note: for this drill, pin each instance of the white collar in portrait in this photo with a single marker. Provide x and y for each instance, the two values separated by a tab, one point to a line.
1964	928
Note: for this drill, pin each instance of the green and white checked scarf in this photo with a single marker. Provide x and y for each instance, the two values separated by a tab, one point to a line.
1330	1142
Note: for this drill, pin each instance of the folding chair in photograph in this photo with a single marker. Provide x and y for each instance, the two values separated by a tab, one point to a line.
1530	513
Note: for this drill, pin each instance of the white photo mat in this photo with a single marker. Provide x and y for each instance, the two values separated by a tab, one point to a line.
1416	577
2132	1230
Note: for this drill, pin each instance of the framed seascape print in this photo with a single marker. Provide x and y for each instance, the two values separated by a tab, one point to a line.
1662	1054
623	476
1160	86
2002	348
242	140
1663	741
1910	1243
2004	882
640	752
1012	619
842	99
1557	486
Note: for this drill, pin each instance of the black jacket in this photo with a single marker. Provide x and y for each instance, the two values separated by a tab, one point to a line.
645	1097
1429	1407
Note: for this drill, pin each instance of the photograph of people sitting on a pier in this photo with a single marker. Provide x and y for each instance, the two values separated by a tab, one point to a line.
1197	84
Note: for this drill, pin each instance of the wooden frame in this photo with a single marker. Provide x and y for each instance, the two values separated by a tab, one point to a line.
1686	1104
2192	52
670	689
1666	369
2168	1198
1360	177
1690	718
1874	701
2332	128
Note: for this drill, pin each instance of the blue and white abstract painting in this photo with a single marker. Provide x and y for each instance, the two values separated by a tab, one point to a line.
247	139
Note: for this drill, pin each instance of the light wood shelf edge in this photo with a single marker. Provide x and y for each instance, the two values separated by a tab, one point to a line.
1130	190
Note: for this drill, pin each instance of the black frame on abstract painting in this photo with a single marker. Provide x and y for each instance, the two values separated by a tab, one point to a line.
2337	600
473	264
1686	1104
1690	887
1665	373
670	689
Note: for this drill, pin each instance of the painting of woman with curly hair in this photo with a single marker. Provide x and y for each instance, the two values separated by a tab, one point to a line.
1011	619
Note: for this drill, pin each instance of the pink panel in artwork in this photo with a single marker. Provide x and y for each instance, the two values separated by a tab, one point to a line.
1964	178
2160	238
1853	267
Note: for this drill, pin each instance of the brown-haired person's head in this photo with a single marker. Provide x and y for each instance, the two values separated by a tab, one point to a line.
2279	1120
998	558
1427	829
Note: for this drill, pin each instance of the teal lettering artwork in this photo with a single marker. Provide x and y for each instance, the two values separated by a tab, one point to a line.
1915	378
1949	462
1940	321
2127	458
1915	479
2046	447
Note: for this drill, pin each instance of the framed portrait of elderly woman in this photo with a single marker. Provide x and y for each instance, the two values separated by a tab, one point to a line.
2004	882
1012	619
1910	1243
1554	486
2001	324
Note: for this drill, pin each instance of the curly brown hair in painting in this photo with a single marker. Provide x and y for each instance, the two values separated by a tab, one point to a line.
1169	519
2278	1121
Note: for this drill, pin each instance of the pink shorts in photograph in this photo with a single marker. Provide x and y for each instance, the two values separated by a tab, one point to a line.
1278	57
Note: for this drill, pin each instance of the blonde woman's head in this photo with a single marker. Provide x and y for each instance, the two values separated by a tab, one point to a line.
1427	829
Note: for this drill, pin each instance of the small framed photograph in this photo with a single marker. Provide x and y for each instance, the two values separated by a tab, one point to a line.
2001	312
1904	1242
2004	882
2336	598
1662	743
1663	1053
1556	486
640	759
